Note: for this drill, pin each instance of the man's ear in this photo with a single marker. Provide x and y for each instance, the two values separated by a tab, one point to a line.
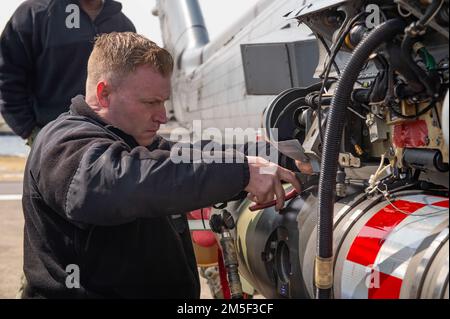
103	93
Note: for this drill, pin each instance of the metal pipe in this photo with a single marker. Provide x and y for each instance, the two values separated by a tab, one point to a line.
183	29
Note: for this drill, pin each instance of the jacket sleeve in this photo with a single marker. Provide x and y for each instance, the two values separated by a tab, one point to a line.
113	185
260	148
16	65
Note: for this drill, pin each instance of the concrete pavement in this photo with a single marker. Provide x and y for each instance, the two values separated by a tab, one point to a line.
11	238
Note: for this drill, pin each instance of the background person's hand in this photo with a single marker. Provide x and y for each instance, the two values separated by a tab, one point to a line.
266	181
32	136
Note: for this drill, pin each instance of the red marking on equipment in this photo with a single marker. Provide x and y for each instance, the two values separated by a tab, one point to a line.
204	238
371	237
389	286
410	134
197	214
442	204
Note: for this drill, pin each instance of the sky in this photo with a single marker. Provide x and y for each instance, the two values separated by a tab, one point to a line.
218	15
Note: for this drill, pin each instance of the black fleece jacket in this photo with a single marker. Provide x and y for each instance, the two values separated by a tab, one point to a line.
43	63
94	198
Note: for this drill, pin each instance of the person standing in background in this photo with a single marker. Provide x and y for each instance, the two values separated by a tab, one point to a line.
44	50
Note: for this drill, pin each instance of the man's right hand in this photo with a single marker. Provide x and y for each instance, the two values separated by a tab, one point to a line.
265	181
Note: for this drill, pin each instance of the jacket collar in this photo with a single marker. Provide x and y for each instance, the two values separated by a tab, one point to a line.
81	108
110	8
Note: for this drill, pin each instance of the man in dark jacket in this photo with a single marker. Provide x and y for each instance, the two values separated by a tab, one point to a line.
102	193
44	50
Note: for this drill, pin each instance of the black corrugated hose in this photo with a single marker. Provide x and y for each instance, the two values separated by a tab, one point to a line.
342	98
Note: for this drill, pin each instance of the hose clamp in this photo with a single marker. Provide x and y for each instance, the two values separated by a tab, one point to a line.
323	272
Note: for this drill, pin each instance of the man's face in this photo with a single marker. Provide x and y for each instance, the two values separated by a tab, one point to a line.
136	106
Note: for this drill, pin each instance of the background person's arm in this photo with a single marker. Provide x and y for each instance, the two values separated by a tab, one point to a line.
16	67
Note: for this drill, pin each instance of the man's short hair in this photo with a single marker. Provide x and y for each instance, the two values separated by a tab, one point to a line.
118	54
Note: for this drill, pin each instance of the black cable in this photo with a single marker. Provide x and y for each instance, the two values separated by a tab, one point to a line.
424	111
417	29
327	48
437	116
431	12
203	218
407	49
336	49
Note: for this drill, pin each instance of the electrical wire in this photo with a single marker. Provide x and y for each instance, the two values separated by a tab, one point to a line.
386	197
375	176
346	28
327	48
356	112
203	218
424	111
401	12
431	14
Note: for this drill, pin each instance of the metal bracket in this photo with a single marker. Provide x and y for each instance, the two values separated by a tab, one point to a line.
348	160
